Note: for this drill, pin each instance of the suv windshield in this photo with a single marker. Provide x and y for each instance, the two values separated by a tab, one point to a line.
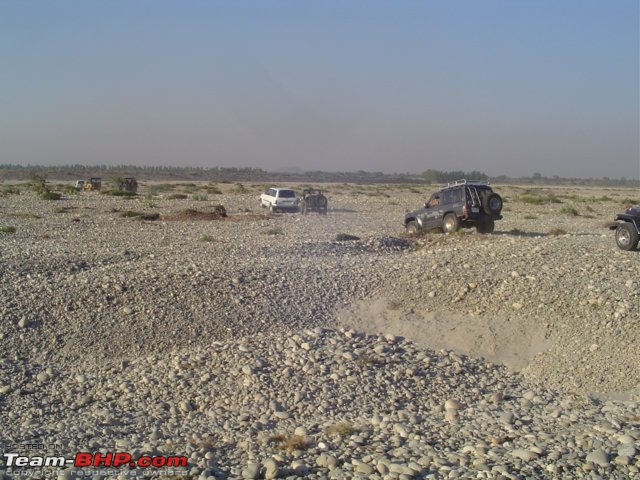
287	194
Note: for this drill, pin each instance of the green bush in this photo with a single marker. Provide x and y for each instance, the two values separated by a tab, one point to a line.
119	193
9	190
571	211
38	182
199	197
130	214
7	229
345	237
240	188
539	199
177	196
47	195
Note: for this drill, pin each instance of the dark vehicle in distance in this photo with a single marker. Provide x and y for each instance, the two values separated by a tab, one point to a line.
128	184
627	227
461	204
313	200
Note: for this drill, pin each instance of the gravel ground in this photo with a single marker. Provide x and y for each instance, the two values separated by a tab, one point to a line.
261	347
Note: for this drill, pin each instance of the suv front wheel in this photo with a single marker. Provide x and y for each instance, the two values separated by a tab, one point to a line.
450	223
626	236
411	227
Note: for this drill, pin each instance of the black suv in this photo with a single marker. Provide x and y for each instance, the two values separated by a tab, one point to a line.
461	204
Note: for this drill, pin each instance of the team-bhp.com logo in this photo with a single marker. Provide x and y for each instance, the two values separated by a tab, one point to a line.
86	459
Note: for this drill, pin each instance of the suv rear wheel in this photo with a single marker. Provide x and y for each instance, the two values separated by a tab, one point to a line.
626	236
485	227
450	223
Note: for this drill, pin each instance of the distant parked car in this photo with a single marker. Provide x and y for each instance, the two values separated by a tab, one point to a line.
79	185
94	183
279	199
461	204
627	227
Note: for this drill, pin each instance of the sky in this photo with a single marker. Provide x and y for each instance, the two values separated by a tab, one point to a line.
507	87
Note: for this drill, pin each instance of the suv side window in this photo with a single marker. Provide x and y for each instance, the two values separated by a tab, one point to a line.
446	197
455	196
271	192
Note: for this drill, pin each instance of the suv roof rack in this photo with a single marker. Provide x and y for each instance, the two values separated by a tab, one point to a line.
464	181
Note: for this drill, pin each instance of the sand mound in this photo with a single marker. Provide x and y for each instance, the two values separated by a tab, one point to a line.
508	341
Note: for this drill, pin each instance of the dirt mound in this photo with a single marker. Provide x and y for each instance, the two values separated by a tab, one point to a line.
217	212
509	341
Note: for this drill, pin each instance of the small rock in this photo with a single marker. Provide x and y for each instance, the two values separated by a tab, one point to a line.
526	455
599	457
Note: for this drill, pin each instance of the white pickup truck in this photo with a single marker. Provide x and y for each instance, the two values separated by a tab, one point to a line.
279	199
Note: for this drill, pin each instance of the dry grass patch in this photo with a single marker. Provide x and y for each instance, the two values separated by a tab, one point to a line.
571	211
341	429
274	231
394	305
289	442
64	209
178	196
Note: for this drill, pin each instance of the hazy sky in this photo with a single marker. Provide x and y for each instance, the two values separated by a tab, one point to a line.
502	86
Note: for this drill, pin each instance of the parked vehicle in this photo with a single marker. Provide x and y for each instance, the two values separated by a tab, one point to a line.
627	227
94	183
128	184
461	204
279	199
313	200
79	185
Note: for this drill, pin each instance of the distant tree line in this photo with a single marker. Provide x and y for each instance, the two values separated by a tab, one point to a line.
250	174
438	176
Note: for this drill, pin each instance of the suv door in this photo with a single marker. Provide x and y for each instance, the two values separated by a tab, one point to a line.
431	215
455	200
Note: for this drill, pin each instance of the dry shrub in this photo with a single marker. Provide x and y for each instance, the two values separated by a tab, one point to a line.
394	304
289	442
217	213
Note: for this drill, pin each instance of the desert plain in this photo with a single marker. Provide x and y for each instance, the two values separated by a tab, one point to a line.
265	345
